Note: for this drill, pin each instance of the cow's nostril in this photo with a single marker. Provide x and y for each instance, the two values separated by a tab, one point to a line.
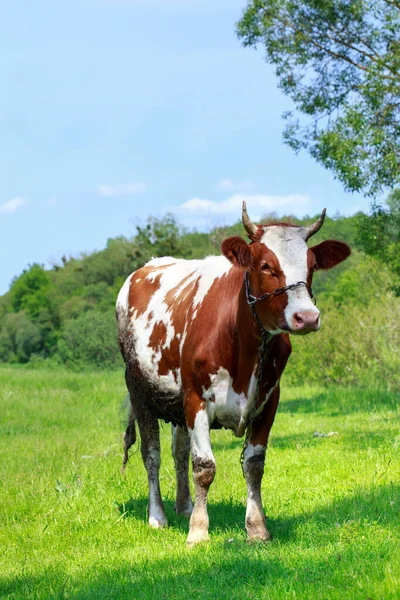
298	318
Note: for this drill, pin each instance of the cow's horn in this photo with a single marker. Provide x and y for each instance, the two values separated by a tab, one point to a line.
248	223
311	229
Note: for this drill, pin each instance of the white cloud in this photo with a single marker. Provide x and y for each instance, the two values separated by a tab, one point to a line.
227	185
12	205
257	203
122	189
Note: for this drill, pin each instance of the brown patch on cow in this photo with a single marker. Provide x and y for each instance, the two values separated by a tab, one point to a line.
193	404
179	301
222	335
140	296
169	360
204	471
158	336
311	266
179	291
273	370
237	251
330	253
261	429
270	311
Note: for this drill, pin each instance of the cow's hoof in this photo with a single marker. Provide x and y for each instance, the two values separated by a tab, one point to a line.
258	535
197	537
157	522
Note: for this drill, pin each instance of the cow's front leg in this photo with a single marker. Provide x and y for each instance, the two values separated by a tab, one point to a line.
180	451
203	463
253	466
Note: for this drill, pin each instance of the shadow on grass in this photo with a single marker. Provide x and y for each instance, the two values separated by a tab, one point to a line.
351	440
341	401
223	515
136	508
373	505
238	570
368	506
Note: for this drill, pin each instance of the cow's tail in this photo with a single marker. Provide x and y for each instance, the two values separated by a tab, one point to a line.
130	431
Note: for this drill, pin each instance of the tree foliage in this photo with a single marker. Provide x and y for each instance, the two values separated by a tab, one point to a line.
339	61
30	291
67	313
90	340
379	235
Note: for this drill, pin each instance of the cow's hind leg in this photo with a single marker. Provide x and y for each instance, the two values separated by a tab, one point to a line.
180	452
203	463
150	449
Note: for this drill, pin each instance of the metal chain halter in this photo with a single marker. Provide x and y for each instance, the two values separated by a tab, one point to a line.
263	351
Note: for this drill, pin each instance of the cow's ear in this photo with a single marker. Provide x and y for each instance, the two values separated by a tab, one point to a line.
330	253
237	251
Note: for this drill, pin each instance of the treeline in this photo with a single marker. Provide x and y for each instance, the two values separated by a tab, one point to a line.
66	314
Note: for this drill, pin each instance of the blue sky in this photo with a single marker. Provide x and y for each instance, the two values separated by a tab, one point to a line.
113	110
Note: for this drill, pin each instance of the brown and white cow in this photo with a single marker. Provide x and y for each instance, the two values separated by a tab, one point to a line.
191	343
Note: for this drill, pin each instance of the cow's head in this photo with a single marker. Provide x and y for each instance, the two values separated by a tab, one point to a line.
278	256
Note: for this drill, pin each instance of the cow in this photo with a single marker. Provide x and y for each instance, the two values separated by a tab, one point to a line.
205	343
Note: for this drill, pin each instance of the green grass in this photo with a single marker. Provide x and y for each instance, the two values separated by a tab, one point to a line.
73	527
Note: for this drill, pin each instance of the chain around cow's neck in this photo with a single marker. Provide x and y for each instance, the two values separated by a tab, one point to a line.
263	351
253	300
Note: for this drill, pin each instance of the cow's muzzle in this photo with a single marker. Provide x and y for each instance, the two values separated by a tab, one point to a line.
305	322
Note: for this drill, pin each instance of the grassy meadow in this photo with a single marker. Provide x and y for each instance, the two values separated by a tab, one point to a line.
72	527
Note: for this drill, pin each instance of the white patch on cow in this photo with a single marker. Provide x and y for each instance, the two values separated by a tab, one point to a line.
213	267
200	437
244	421
230	409
254	509
182	275
251	451
223	403
291	251
162	261
156	514
123	296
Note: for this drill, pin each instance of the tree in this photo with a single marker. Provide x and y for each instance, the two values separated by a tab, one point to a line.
19	337
90	340
161	237
339	61
393	201
379	235
31	291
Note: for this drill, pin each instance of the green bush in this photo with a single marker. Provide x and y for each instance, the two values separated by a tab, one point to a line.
19	338
67	313
31	291
90	340
356	344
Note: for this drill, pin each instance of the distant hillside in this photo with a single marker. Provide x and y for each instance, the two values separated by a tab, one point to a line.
66	313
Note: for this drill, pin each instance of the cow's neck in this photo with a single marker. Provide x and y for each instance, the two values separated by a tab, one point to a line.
247	340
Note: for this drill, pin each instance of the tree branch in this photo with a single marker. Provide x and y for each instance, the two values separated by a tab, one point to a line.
324	48
378	60
332	52
393	3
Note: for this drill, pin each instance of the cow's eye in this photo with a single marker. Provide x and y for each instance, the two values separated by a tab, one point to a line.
266	267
